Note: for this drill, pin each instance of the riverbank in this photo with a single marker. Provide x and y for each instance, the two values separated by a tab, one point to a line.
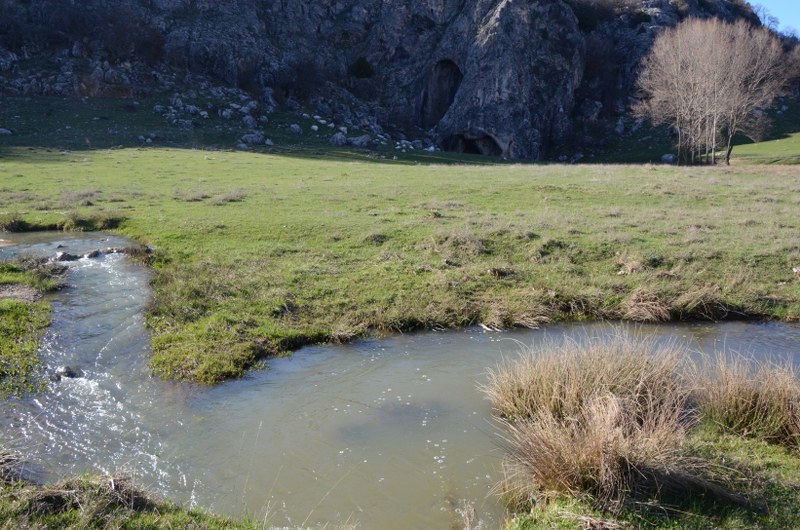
256	255
95	502
23	319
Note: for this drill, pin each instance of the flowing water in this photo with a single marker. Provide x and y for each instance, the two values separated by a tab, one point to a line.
390	433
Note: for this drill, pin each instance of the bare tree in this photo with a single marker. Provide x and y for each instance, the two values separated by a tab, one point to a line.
760	69
707	79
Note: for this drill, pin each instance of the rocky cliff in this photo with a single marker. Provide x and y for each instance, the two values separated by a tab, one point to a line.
501	77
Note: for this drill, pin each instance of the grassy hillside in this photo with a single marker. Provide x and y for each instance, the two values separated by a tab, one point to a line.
785	150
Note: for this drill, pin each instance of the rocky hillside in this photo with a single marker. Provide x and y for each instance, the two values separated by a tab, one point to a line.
510	78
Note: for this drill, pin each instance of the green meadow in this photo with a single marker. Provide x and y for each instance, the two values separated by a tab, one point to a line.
258	254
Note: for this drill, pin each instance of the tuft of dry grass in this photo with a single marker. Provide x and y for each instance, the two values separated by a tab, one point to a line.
602	419
561	378
607	451
645	305
94	497
705	303
230	196
10	467
759	399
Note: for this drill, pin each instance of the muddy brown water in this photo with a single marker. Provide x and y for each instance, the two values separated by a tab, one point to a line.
390	433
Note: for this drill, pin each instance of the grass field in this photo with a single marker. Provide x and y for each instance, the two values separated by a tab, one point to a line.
258	254
785	150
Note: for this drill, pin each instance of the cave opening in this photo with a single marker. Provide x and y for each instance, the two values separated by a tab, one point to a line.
439	92
480	145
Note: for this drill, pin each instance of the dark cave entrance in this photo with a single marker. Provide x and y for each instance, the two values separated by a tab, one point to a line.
439	92
482	145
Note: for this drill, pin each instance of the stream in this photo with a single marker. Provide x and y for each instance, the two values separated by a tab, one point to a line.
390	433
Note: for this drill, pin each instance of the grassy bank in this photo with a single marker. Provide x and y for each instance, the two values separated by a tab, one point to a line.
23	319
625	433
258	254
80	503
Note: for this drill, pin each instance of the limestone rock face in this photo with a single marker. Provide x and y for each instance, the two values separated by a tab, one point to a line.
498	77
485	76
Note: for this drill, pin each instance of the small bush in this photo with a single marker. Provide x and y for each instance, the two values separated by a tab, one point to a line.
750	398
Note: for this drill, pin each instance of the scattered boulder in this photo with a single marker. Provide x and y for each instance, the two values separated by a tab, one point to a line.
250	122
360	141
669	159
295	129
65	256
93	254
253	138
7	60
338	139
5	132
70	372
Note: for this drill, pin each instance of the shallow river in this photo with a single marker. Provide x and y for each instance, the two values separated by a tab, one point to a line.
388	433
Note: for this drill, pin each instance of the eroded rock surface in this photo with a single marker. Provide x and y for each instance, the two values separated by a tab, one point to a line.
497	77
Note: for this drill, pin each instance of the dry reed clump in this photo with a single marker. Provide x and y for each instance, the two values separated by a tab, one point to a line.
751	398
704	302
562	378
644	305
598	418
608	451
10	467
93	496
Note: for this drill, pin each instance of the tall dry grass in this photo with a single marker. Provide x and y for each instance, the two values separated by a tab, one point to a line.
560	378
10	466
602	418
607	452
759	399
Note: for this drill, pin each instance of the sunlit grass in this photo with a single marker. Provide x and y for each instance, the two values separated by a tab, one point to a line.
256	254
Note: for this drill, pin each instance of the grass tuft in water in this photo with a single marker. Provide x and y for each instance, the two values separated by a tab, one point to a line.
756	399
621	433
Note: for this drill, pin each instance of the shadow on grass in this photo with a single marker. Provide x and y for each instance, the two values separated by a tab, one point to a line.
46	129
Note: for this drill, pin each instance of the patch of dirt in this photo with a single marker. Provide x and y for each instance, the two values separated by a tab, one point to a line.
19	292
